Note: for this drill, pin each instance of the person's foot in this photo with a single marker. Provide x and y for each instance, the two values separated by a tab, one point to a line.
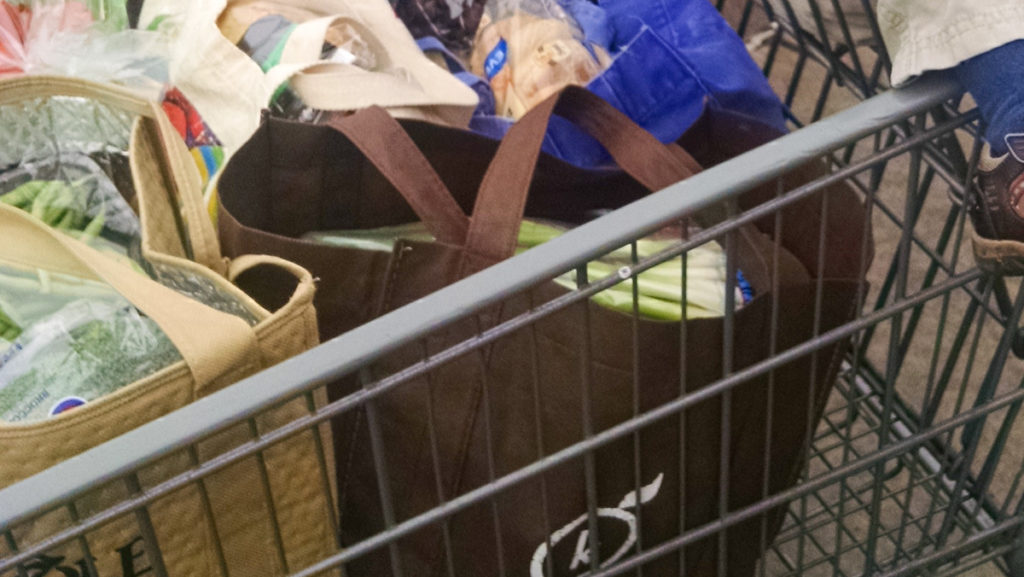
997	211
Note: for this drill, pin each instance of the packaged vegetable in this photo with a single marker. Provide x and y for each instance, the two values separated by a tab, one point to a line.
73	341
82	39
660	294
73	194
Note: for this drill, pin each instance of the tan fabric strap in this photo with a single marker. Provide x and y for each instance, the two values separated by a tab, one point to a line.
183	177
217	347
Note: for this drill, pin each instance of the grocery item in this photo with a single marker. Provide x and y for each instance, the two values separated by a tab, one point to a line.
90	347
528	57
659	290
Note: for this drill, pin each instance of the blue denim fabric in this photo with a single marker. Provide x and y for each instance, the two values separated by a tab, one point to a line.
994	80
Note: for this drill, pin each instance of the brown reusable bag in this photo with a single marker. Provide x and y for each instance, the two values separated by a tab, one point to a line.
481	410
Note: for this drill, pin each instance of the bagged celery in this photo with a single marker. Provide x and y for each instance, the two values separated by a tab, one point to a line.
659	289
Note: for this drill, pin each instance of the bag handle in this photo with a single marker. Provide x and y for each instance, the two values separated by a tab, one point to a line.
218	348
184	179
323	84
384	142
501	201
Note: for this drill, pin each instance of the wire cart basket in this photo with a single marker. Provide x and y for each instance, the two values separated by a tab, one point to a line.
917	465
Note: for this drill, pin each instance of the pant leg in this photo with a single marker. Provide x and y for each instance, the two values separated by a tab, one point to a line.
996	81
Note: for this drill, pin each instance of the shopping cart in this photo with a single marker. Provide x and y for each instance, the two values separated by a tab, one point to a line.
916	468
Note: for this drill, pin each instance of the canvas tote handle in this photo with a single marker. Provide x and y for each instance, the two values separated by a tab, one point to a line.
217	347
498	212
324	84
185	183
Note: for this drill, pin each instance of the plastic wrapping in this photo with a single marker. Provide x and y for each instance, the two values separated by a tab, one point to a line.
66	163
75	195
67	341
659	289
85	40
529	50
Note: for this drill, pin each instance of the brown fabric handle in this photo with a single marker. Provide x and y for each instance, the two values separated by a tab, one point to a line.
384	142
494	226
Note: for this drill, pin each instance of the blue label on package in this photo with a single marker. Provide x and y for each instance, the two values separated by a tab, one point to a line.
496	59
66	404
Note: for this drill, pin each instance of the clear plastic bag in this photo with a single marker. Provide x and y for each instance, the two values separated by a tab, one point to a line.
453	22
81	39
659	289
74	341
66	162
529	50
73	193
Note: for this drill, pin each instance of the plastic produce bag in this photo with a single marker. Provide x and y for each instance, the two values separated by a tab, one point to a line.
65	161
65	341
659	289
84	40
671	62
73	194
530	49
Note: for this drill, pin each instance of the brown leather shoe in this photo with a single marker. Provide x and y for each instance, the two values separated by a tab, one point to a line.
997	212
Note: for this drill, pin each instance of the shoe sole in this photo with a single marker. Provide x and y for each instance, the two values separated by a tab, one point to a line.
1001	257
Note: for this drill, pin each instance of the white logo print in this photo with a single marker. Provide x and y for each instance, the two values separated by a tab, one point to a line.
581	556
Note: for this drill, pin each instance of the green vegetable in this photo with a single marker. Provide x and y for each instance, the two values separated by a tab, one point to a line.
9	330
23	196
55	203
659	289
88	361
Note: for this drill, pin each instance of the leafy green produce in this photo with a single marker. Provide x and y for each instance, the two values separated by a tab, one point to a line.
9	330
83	352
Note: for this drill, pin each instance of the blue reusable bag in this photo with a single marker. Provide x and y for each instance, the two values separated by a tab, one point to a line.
671	60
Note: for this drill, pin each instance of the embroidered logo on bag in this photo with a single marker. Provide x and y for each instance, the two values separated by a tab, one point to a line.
623	514
496	59
131	557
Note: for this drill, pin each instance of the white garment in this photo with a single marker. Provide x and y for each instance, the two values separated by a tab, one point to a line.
926	35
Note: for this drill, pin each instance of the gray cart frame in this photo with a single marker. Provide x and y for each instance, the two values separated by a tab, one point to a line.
913	470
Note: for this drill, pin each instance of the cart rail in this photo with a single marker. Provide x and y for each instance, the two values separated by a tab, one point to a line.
908	472
363	345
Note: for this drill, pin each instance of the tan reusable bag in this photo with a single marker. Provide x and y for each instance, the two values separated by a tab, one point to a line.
262	516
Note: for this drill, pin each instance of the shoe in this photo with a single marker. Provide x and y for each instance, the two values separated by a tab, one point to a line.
997	212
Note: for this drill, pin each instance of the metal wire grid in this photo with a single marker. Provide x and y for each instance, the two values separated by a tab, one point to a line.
894	483
825	531
842	36
817	34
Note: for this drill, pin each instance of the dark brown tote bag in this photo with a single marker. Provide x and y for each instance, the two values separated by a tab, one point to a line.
369	171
